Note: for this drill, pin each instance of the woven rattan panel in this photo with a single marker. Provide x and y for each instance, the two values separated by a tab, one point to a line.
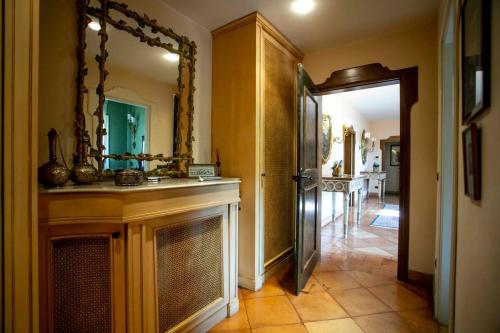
278	151
189	269
81	277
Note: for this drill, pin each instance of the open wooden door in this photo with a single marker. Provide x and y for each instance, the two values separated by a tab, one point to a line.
308	178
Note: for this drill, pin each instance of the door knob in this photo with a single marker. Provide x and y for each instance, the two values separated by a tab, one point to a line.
302	176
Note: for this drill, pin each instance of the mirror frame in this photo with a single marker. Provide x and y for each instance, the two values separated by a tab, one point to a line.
186	50
325	158
364	147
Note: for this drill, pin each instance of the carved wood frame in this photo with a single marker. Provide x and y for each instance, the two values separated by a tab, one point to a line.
377	75
186	50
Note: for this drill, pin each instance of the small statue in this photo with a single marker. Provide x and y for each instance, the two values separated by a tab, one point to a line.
52	173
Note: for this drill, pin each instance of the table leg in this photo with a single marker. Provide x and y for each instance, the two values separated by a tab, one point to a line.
333	206
359	207
367	182
383	191
346	213
380	189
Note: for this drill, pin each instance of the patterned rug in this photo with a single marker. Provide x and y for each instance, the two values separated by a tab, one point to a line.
388	217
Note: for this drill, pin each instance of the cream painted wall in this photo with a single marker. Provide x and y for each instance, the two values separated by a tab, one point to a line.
58	69
380	130
341	114
477	292
414	47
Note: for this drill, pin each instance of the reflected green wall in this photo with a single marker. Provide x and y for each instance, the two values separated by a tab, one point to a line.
119	133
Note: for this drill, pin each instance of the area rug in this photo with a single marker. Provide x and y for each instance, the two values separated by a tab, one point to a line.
388	217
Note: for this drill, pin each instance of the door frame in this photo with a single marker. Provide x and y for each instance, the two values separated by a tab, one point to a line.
19	75
374	75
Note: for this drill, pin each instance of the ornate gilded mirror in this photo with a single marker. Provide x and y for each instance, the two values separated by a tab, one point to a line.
135	87
365	146
327	138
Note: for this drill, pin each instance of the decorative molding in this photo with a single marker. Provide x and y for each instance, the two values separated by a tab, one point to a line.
257	17
357	76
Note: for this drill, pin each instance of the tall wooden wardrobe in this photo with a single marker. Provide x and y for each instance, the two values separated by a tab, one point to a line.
253	129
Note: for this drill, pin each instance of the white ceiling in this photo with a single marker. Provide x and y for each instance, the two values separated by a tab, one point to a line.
380	103
330	23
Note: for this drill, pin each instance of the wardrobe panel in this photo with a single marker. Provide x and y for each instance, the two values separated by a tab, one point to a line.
278	123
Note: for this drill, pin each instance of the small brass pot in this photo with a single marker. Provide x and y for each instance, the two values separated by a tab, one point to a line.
83	174
128	177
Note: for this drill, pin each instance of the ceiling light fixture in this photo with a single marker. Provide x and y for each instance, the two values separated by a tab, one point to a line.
303	7
172	57
94	26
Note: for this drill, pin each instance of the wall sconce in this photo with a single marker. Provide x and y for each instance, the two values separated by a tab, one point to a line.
347	129
365	146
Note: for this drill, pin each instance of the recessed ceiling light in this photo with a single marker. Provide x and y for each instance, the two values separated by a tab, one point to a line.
303	7
95	26
172	57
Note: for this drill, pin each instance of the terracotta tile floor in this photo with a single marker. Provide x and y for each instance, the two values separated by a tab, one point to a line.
353	289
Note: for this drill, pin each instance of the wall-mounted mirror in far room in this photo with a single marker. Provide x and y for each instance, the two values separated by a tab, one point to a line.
137	99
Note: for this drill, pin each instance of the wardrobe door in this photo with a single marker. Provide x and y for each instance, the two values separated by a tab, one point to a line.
277	124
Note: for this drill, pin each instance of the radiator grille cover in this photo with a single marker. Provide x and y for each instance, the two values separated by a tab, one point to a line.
81	277
189	267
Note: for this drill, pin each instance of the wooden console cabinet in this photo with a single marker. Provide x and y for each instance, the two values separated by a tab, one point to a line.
153	258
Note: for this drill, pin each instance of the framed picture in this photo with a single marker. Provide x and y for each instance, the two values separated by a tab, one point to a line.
472	162
327	138
476	43
395	155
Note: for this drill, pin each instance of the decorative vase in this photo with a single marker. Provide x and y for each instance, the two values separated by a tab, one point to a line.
83	173
338	172
52	173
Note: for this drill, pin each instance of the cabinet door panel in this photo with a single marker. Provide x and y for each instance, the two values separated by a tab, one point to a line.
82	279
186	259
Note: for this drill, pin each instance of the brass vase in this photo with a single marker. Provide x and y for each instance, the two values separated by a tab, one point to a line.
53	174
83	173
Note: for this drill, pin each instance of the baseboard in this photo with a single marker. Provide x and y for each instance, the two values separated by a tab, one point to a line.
233	307
421	279
210	322
392	192
278	265
251	283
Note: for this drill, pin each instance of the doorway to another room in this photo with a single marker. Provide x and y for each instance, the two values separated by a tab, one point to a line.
364	150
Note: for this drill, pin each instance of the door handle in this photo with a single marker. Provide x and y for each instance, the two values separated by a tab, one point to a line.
301	176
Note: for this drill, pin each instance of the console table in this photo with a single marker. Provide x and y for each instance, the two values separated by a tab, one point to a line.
145	259
380	177
345	184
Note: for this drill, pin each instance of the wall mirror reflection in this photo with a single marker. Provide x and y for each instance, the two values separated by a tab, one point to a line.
138	100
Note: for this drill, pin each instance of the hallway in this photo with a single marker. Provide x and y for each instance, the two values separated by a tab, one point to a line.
353	289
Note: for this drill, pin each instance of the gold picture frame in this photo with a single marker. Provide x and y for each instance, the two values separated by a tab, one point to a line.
326	150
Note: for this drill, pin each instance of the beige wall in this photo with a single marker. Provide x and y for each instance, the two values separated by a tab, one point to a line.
58	68
415	47
477	295
380	130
